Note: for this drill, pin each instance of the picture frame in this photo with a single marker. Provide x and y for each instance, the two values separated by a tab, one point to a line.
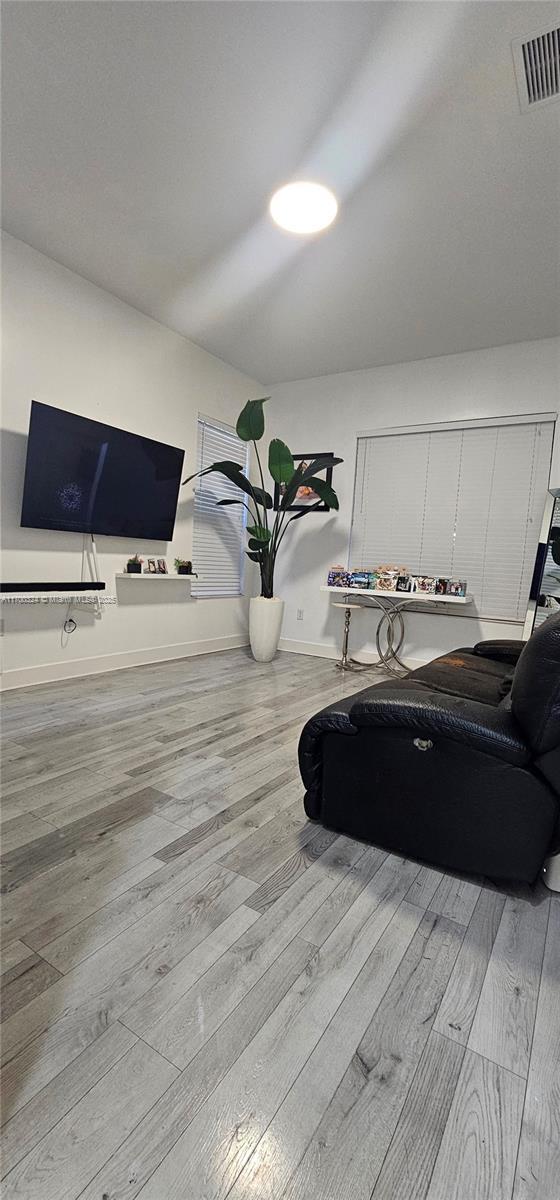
426	584
338	577
162	566
310	498
152	569
404	583
359	579
456	587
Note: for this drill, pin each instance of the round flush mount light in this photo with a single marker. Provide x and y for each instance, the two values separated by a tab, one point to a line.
303	207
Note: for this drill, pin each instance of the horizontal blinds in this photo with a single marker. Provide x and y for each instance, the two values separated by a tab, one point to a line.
218	532
463	503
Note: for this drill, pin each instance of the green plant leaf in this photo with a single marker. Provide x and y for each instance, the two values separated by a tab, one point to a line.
259	532
262	498
250	422
256	544
254	557
324	491
226	467
303	475
291	488
239	479
233	472
319	464
280	461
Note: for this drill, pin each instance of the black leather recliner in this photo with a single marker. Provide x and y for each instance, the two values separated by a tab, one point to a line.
458	764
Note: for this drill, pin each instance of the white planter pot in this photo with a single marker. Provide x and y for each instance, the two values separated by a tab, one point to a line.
265	623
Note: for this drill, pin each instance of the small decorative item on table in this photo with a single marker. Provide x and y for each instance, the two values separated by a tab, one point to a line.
404	583
152	569
338	577
359	579
441	587
387	576
183	566
134	565
426	583
161	566
456	587
386	580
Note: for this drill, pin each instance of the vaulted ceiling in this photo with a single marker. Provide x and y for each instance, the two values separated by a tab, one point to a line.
142	142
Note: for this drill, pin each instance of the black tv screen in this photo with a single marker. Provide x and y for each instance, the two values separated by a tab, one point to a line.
88	477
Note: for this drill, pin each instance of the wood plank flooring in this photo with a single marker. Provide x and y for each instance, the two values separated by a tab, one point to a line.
204	996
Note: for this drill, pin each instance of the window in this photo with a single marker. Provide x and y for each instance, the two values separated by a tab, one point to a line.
462	502
218	539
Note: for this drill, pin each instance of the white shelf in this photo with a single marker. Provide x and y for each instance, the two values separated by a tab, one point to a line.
157	575
419	597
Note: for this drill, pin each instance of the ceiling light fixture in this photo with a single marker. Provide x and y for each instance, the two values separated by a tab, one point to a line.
303	207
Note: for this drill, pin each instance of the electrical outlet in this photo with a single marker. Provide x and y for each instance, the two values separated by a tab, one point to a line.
300	614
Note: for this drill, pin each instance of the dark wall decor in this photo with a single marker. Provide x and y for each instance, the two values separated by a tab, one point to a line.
306	498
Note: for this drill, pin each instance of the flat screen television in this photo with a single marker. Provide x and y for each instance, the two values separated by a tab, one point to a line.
83	476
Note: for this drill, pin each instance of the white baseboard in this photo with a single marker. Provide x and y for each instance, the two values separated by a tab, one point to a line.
50	672
319	650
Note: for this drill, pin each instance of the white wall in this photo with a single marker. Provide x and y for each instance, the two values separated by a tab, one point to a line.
70	344
327	413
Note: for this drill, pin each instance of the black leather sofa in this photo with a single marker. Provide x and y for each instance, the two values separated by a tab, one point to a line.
457	764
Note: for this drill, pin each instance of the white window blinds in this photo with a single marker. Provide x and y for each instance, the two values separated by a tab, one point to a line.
463	503
218	538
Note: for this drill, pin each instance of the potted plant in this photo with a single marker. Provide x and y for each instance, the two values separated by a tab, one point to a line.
183	566
134	565
265	531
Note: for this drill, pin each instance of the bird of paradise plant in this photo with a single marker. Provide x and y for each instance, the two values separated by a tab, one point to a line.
266	532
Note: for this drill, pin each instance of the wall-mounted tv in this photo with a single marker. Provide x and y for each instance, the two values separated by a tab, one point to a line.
83	476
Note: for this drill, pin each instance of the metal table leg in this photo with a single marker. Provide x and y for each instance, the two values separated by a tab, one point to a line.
391	623
389	614
347	663
392	613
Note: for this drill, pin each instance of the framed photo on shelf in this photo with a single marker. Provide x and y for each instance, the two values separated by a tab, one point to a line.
161	566
305	496
152	569
457	587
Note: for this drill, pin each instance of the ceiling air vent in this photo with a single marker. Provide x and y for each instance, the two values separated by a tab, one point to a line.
537	67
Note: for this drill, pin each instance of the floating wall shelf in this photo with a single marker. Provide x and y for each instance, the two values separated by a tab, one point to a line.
159	576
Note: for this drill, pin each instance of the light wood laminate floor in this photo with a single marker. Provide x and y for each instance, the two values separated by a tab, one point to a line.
205	996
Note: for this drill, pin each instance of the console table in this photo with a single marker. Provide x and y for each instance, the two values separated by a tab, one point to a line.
390	623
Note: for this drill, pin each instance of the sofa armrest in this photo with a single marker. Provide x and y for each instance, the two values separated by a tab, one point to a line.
435	714
333	719
500	650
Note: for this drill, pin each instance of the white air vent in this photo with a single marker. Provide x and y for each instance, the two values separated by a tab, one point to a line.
537	68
